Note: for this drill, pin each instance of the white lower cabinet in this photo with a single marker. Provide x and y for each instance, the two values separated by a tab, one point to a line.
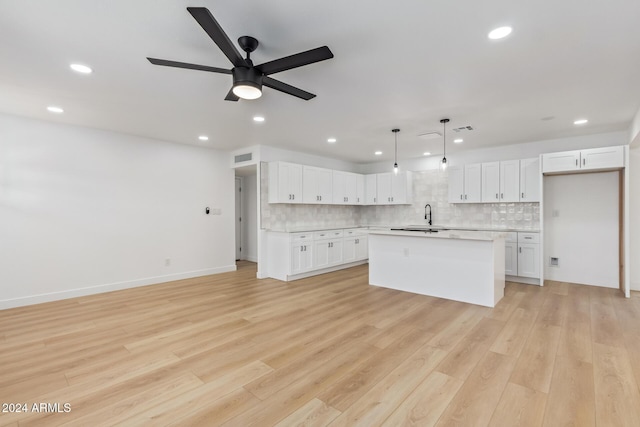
296	255
511	254
522	255
528	264
301	257
355	248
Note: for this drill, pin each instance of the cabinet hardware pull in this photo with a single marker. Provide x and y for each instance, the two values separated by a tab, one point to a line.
522	196
584	162
520	249
576	162
496	195
461	197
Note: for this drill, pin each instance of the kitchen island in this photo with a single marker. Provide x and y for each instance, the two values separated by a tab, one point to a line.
465	266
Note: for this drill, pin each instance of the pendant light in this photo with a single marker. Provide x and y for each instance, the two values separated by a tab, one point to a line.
395	165
444	143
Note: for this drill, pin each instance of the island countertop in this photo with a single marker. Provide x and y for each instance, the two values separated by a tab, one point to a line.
445	234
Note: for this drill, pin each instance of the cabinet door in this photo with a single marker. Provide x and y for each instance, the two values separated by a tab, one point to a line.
335	252
473	183
602	158
511	259
350	188
456	184
509	181
530	180
360	189
321	253
301	257
528	260
371	189
325	186
491	182
362	248
384	188
293	178
310	184
349	249
561	162
339	182
399	188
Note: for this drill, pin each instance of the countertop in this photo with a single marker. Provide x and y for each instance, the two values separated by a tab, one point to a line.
307	229
445	234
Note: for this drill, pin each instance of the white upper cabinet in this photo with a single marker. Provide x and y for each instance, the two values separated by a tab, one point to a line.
491	182
360	189
345	188
602	158
371	189
501	181
317	185
510	181
285	182
530	180
465	183
584	160
394	189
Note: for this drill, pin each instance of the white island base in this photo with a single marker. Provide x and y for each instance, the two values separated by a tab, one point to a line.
462	265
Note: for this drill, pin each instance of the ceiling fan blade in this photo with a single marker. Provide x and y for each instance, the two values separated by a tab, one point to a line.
231	96
177	64
297	60
217	34
283	87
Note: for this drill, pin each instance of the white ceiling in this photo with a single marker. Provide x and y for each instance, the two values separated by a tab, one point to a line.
405	64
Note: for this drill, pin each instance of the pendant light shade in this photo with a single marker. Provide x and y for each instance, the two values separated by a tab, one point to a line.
443	164
395	164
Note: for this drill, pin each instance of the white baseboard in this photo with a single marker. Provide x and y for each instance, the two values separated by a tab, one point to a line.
109	287
250	258
525	280
635	286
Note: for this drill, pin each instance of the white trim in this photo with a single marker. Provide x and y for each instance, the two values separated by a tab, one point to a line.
525	280
627	226
325	270
109	287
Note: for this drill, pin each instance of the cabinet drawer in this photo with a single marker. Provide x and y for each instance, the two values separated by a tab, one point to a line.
328	234
528	237
355	232
301	237
511	237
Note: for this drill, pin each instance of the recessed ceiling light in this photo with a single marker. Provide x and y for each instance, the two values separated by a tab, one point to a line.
332	140
258	119
499	33
426	153
81	68
54	109
203	138
580	121
458	141
377	153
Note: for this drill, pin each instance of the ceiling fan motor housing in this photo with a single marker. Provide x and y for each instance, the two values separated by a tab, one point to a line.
247	76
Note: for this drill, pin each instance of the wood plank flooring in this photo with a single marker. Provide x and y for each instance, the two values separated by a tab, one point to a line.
329	350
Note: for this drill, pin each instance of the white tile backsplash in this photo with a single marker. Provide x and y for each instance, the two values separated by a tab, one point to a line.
428	187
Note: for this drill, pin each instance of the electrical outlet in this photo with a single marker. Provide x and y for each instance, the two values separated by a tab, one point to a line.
167	262
555	213
406	252
216	211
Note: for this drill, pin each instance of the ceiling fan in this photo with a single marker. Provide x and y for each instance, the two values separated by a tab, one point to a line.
248	79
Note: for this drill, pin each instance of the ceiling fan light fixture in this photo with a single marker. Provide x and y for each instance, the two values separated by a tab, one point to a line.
247	83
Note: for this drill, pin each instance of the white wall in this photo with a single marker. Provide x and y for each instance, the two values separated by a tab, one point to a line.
581	228
250	218
634	214
270	154
85	211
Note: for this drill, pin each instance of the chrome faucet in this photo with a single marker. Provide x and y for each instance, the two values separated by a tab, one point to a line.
427	215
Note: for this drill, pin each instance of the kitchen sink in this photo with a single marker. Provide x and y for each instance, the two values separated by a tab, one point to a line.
423	229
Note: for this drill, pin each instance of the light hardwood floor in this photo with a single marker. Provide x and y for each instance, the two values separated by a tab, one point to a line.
329	350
